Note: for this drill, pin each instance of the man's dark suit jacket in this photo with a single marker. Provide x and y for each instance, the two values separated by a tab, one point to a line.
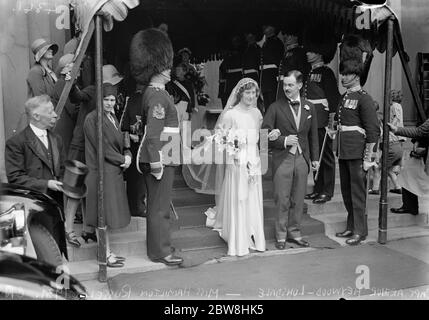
279	116
27	164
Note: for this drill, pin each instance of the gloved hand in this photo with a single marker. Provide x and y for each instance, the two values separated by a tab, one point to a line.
367	159
156	169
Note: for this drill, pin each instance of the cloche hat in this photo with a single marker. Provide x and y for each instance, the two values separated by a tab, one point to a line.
40	46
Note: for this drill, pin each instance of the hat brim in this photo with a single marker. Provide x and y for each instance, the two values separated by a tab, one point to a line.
115	80
39	54
75	193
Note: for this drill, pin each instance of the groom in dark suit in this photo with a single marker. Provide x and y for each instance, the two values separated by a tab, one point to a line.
292	126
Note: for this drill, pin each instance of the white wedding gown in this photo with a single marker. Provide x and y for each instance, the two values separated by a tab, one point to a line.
239	208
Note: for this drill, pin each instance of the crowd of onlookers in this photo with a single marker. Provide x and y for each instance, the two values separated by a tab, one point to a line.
71	135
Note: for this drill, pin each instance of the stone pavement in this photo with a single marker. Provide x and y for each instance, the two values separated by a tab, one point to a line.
398	258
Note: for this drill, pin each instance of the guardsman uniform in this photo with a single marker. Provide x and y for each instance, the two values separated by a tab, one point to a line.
157	156
322	90
230	72
251	61
132	124
293	59
183	94
271	54
358	131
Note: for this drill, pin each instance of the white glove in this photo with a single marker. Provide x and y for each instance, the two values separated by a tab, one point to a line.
368	165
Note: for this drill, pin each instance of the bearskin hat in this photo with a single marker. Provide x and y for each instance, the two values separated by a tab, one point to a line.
356	47
327	50
351	66
316	40
151	53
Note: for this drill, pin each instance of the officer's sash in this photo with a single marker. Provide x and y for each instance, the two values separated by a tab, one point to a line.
181	87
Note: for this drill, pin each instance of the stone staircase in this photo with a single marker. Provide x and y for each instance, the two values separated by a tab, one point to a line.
190	233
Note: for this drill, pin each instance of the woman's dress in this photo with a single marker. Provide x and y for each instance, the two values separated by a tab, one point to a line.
239	204
116	209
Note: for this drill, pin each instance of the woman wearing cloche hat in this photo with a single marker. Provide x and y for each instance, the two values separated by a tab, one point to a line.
41	78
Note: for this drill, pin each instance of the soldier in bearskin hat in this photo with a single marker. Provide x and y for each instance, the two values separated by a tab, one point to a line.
151	60
322	90
358	131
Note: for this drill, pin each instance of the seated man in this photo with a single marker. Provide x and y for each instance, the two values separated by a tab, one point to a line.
34	157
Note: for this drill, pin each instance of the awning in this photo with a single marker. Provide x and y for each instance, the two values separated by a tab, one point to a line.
111	10
340	16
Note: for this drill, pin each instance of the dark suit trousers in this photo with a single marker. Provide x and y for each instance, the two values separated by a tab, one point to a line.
325	183
353	189
158	212
290	183
410	201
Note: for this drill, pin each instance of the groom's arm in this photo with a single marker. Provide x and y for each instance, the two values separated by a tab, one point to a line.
269	123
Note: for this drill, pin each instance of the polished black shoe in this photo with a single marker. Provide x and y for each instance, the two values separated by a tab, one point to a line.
402	210
170	260
397	191
280	245
299	242
355	240
321	198
344	234
371	191
89	236
311	196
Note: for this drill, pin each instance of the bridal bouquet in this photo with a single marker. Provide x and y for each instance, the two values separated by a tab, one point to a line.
195	75
230	140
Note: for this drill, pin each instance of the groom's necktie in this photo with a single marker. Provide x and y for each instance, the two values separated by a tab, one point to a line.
295	106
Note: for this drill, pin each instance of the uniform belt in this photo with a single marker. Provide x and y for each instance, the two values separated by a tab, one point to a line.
323	102
342	128
247	71
268	66
234	70
171	130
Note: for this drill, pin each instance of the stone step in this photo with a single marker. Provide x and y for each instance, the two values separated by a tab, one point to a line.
193	216
136	224
133	243
88	269
187	198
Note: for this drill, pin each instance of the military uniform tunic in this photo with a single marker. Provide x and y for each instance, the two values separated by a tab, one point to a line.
271	53
293	59
231	71
159	152
132	123
357	126
321	89
251	61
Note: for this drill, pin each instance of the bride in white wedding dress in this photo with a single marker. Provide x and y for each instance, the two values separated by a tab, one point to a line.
238	214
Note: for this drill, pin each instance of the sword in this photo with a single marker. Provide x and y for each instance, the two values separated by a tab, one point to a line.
174	210
330	125
321	154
